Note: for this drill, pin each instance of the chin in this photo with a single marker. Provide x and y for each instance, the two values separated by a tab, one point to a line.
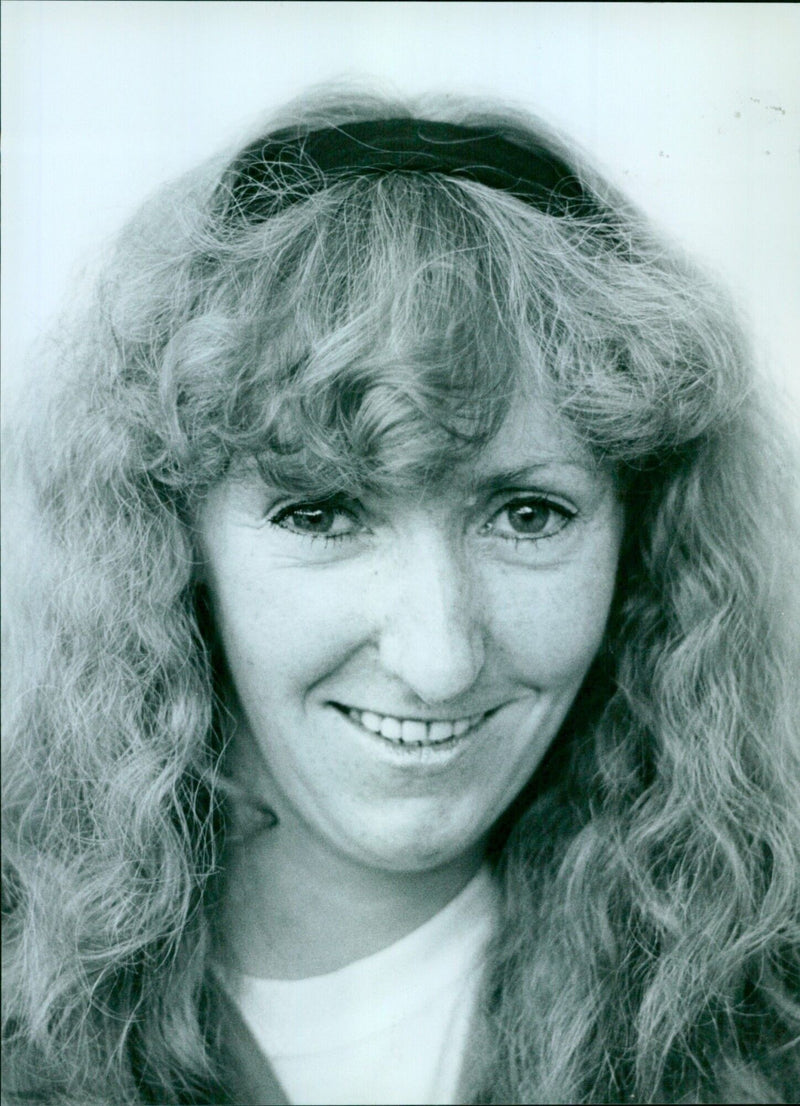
418	848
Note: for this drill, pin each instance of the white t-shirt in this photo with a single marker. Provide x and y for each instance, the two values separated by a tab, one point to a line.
390	1028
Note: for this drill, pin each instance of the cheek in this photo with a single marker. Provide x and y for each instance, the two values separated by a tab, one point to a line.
549	626
284	625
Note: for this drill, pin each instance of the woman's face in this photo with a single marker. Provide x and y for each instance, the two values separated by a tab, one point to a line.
401	666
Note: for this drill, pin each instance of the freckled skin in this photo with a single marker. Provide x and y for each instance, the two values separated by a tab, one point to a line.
420	620
426	609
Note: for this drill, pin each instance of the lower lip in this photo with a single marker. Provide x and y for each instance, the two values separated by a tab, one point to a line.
412	754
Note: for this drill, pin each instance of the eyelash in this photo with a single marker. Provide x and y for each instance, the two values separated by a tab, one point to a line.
283	513
555	507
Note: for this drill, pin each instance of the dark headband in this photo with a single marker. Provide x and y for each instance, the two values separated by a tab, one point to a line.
307	163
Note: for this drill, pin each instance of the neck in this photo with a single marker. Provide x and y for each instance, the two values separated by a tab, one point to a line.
291	908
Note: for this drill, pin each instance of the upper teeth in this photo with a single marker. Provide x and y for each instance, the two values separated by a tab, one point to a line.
412	730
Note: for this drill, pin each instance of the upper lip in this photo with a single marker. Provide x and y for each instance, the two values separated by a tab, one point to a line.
412	716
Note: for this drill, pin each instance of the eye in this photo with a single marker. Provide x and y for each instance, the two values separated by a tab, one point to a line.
531	518
322	519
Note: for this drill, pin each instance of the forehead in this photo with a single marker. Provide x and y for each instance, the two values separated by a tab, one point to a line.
533	437
533	428
394	440
533	448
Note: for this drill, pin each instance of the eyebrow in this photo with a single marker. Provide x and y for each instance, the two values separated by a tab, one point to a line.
523	474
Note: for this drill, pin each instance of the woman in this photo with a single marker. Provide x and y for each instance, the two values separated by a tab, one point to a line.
408	705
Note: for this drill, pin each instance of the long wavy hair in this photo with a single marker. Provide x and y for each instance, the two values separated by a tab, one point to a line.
368	335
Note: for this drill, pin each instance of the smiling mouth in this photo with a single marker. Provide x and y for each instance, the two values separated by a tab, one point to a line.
413	732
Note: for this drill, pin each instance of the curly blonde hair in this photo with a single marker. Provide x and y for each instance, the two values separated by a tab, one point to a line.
368	335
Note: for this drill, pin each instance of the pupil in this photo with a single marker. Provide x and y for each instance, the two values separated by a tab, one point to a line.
529	518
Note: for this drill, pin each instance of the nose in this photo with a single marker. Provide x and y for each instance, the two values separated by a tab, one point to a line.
431	638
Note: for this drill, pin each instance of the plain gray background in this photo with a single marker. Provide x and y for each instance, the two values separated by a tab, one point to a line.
693	108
